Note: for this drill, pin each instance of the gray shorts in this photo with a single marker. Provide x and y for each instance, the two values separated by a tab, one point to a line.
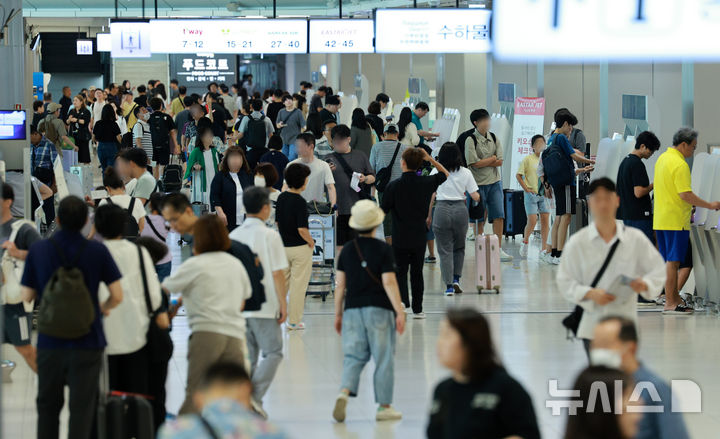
17	325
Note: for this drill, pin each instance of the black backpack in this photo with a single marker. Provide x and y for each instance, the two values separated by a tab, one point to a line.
256	132
171	180
159	129
462	138
558	168
66	309
132	230
126	141
255	272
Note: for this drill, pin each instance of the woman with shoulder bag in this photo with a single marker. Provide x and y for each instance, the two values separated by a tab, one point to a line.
79	122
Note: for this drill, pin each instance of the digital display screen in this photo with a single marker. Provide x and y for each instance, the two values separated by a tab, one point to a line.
506	92
130	39
342	36
432	31
229	36
614	30
12	125
104	42
196	72
634	107
84	47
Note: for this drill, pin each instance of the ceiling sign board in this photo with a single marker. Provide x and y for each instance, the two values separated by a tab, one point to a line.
196	72
612	30
130	39
432	31
341	36
104	42
229	36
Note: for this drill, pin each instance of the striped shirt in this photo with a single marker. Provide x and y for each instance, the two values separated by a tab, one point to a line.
141	131
381	154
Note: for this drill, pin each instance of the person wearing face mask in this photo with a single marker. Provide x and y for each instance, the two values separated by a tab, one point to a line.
141	131
226	189
480	399
618	263
78	121
266	176
593	385
615	344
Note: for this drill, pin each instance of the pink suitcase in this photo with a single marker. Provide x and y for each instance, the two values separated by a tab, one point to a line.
488	270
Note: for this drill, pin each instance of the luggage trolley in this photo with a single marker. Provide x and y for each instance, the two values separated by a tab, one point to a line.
322	279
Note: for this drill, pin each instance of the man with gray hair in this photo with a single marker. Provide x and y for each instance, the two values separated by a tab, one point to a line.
674	200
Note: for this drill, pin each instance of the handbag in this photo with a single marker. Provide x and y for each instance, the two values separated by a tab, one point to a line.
382	177
363	264
159	343
364	193
572	321
319	208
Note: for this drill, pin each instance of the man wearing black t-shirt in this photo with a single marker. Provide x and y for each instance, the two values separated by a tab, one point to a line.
634	187
408	199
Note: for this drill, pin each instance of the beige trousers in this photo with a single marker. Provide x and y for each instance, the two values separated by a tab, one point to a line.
204	350
297	276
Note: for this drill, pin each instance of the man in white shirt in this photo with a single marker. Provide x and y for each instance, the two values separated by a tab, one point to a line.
321	177
132	163
263	326
636	267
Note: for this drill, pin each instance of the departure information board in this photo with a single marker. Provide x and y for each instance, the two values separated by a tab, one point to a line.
229	36
432	31
342	36
614	30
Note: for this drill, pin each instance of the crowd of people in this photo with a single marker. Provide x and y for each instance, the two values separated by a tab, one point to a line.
258	168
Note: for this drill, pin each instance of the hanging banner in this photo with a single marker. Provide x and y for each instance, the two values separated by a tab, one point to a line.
528	121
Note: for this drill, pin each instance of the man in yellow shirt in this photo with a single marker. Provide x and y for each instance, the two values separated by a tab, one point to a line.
534	202
177	105
674	200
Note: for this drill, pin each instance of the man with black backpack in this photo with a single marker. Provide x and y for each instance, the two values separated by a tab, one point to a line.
164	135
63	273
263	330
256	129
559	172
484	157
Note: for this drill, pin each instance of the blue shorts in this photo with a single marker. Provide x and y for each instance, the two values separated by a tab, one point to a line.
535	204
673	244
491	196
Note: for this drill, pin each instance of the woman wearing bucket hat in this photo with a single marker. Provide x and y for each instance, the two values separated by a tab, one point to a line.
368	311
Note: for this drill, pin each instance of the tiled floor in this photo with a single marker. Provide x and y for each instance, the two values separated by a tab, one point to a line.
525	321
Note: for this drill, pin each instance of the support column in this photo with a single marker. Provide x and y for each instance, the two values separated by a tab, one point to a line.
688	94
489	83
382	67
439	85
603	100
334	71
540	79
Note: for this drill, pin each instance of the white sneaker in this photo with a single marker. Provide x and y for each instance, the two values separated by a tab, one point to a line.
523	250
544	257
387	414
340	405
419	315
471	235
555	260
504	257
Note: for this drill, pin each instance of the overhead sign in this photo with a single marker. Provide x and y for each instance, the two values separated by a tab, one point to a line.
130	39
528	121
342	36
104	42
432	31
229	36
196	72
620	30
84	47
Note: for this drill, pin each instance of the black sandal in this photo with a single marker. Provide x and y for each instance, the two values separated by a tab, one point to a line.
679	310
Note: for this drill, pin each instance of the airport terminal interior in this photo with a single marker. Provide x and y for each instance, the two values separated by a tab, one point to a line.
457	121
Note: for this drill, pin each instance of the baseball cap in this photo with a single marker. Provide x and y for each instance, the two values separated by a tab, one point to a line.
53	107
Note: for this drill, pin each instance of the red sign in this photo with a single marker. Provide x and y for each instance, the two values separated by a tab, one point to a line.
18	107
530	106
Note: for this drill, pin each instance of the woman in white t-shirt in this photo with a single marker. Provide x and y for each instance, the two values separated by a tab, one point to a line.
266	176
202	164
116	195
450	221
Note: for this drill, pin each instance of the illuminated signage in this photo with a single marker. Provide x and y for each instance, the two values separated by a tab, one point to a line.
130	39
341	36
432	31
196	72
84	47
104	42
229	36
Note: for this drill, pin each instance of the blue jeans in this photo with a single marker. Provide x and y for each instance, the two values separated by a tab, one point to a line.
491	195
535	204
645	225
369	331
163	270
290	151
106	154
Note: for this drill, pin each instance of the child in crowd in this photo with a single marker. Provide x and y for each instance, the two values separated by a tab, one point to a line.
535	202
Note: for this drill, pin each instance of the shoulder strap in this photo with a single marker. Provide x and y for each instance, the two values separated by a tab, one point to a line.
61	254
493	136
148	304
348	170
605	264
363	263
208	428
131	205
397	149
155	231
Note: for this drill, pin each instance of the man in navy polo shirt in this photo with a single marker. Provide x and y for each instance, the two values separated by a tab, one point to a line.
74	362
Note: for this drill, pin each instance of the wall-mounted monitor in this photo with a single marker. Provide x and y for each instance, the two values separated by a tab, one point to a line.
506	92
104	42
606	30
342	36
12	125
432	31
634	107
84	47
246	36
130	39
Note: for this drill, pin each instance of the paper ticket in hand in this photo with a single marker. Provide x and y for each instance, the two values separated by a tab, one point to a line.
355	181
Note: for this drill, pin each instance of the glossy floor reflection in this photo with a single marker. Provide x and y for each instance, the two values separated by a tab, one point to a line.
525	320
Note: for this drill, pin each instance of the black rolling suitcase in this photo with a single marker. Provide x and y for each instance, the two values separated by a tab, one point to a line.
580	219
515	218
122	415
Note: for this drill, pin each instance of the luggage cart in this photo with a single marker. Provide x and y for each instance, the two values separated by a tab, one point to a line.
322	279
